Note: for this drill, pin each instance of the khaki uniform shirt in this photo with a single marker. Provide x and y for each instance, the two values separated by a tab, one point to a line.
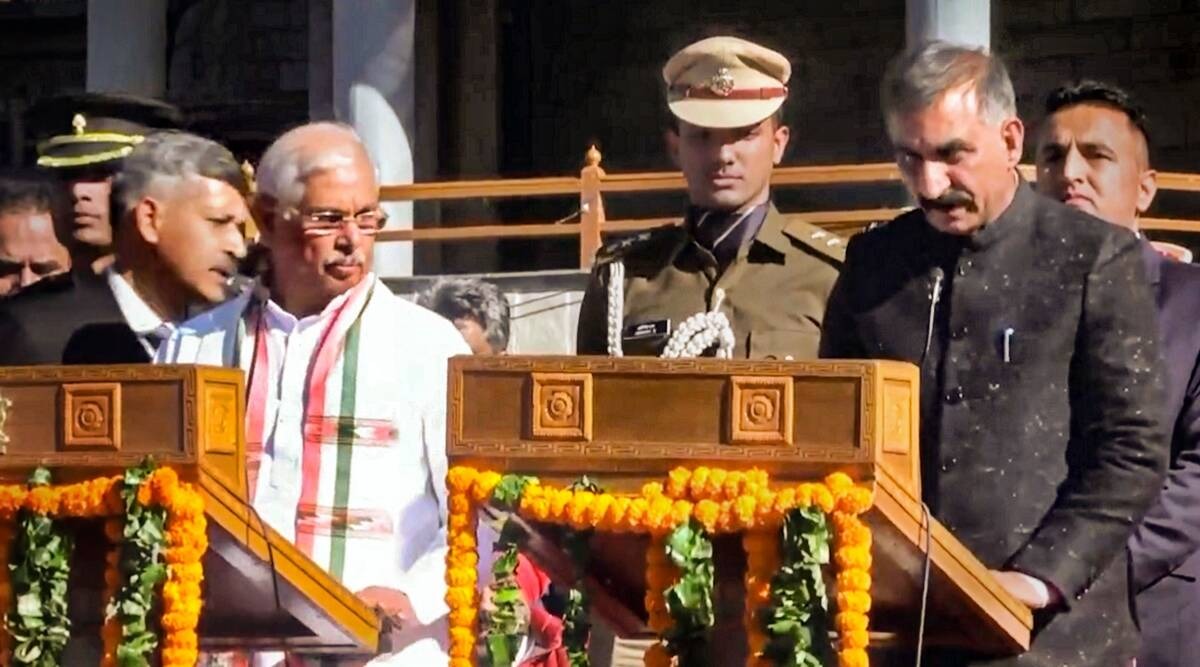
775	290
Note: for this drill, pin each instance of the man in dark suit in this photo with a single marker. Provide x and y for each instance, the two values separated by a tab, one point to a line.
178	201
1093	154
1042	437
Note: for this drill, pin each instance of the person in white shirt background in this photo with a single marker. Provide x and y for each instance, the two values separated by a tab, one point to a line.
346	389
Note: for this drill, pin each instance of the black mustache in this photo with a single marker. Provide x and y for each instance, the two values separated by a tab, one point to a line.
949	199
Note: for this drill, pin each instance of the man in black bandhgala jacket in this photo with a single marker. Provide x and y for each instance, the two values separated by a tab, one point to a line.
1042	430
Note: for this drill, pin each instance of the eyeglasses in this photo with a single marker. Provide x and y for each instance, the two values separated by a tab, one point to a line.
324	221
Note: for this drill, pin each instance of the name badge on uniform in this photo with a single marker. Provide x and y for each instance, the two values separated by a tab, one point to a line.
644	330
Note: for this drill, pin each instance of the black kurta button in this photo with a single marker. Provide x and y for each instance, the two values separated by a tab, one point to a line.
954	395
959	332
962	268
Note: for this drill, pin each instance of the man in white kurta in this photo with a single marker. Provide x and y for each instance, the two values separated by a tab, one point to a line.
346	405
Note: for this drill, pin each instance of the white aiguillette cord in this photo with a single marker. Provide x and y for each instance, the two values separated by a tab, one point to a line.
701	331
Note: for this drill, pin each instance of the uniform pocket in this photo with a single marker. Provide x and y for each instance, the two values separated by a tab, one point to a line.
784	344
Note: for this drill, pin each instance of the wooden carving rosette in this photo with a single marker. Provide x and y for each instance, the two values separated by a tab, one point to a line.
839	436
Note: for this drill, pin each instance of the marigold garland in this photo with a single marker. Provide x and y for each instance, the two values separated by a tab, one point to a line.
186	540
723	501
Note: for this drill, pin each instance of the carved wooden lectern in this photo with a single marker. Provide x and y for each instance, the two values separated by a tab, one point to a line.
260	592
628	421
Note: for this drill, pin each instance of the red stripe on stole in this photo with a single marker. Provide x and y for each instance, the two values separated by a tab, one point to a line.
329	349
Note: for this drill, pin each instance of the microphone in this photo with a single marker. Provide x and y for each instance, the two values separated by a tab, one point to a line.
936	276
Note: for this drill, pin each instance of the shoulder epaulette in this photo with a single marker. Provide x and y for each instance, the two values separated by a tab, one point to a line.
621	247
826	243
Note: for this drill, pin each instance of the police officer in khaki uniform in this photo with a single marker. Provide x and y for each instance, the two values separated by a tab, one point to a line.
736	279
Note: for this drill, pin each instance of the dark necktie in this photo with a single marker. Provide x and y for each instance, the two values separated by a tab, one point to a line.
723	233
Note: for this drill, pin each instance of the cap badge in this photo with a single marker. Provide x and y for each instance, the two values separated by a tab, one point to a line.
79	123
722	83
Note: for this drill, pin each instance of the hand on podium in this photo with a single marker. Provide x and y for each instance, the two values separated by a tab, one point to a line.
1030	591
390	602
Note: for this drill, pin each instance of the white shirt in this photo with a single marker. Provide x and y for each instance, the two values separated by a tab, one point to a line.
150	328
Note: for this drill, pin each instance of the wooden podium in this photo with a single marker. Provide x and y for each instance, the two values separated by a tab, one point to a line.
260	592
629	421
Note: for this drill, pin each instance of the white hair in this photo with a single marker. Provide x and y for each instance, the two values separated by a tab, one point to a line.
291	159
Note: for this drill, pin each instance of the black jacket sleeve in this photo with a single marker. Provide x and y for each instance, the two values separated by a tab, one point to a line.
839	337
1170	532
1118	454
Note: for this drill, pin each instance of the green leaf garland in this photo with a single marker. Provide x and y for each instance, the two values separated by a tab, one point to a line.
797	619
142	571
690	600
38	622
508	617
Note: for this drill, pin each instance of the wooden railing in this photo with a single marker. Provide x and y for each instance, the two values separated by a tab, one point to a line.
593	183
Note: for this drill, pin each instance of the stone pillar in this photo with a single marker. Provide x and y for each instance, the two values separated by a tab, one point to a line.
127	46
960	21
373	89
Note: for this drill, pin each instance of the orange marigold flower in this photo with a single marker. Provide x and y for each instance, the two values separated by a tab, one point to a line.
460	597
804	494
849	621
855	501
707	512
577	508
460	478
735	481
638	508
11	500
822	498
853	580
744	508
598	513
485	483
681	511
838	481
852	558
855	657
42	500
462	635
459	502
856	601
785	499
652	490
145	493
464	617
658	516
558	504
460	577
698	485
716	482
855	639
677	482
757	478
